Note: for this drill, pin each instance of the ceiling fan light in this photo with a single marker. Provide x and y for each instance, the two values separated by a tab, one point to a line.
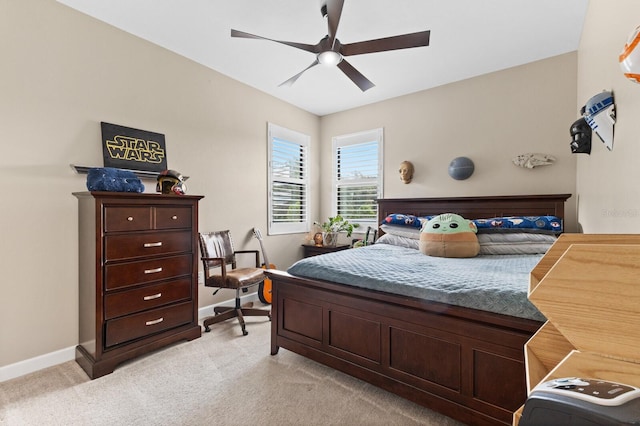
329	58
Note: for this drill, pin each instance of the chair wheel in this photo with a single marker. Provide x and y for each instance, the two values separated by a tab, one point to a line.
207	329
245	332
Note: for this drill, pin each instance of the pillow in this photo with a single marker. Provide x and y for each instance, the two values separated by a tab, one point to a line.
401	231
114	180
400	219
449	235
515	243
397	240
540	224
517	248
515	237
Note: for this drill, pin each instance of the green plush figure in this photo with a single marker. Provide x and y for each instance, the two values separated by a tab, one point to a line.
449	235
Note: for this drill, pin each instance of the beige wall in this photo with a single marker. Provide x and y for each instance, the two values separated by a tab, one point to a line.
63	72
490	119
608	181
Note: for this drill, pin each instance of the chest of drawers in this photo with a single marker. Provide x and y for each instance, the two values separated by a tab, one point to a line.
137	275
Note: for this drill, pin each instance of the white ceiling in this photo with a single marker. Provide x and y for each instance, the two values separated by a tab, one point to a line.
468	38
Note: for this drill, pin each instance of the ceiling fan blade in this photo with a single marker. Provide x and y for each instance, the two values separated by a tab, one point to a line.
313	48
360	80
334	12
404	41
295	77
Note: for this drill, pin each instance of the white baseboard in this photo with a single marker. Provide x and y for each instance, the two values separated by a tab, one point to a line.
30	365
50	359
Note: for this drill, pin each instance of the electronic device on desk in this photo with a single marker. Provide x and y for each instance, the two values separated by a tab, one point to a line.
575	401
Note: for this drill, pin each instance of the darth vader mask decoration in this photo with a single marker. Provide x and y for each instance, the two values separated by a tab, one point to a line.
580	137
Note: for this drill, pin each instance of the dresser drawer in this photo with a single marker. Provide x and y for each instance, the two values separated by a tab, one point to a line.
127	302
171	217
129	246
145	271
145	323
127	218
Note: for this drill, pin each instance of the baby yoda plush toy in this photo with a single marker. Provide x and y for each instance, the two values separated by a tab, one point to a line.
449	235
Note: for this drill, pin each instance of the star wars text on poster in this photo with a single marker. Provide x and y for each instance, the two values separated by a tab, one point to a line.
132	149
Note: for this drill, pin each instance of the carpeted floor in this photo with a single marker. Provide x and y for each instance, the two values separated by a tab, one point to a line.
221	378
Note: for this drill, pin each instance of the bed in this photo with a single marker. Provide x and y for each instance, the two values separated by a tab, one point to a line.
464	362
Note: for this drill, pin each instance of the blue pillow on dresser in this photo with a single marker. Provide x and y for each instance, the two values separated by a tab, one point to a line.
113	180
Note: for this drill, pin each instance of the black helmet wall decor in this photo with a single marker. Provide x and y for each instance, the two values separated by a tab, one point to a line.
171	182
580	137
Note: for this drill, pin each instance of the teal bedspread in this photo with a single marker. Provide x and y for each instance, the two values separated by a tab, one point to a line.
494	283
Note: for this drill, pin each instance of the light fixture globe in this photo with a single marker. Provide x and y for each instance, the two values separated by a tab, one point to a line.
329	58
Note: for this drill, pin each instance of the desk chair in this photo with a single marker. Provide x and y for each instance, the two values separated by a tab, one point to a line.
217	252
365	241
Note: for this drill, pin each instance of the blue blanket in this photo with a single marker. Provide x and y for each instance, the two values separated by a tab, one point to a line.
494	283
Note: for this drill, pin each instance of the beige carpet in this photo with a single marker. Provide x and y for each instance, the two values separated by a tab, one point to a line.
222	378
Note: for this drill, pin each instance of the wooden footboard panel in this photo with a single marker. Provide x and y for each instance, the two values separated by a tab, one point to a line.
464	363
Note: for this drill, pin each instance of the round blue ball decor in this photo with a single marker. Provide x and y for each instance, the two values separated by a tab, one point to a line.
461	168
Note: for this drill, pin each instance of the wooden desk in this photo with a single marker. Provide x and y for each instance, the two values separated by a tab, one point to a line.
586	286
313	250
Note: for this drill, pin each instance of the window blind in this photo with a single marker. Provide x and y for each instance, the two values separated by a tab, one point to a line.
357	176
288	181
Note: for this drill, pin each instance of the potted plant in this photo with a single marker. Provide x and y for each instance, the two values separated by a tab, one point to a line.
333	226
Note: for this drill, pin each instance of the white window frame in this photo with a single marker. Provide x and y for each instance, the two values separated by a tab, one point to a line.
374	135
303	141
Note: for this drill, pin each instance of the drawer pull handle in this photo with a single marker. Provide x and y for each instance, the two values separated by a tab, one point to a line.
153	296
130	218
155	321
174	217
158	244
153	271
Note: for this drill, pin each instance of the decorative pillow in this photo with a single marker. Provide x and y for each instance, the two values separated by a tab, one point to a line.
401	231
397	240
449	235
550	224
114	180
400	219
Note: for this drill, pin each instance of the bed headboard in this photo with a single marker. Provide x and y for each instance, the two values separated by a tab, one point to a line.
476	207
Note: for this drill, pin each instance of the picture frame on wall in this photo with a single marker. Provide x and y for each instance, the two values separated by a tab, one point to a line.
133	149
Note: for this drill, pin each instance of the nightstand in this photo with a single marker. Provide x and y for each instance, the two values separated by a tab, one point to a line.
313	250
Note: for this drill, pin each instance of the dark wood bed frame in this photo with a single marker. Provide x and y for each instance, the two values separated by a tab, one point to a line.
465	363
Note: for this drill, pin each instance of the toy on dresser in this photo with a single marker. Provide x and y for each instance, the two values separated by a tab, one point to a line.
113	180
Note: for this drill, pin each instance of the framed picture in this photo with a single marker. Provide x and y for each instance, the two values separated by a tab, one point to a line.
133	149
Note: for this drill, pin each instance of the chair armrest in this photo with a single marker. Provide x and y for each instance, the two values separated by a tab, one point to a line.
256	252
223	266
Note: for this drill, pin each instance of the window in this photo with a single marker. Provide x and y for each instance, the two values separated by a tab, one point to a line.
357	176
288	181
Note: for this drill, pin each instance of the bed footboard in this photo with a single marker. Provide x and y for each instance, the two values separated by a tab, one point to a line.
466	364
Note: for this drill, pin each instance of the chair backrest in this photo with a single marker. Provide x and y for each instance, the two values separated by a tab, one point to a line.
366	236
217	244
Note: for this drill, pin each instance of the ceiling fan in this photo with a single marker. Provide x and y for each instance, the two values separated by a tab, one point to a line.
329	50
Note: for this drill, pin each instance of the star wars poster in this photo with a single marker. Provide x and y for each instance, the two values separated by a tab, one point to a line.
133	149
